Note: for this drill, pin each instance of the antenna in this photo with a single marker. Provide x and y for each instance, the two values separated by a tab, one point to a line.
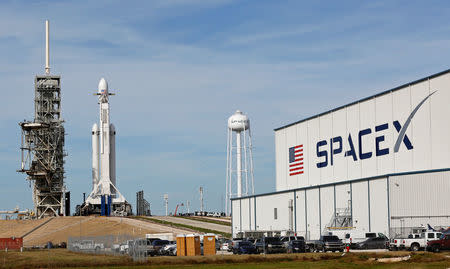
47	48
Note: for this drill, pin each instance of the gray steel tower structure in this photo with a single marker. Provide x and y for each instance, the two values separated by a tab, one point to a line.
43	145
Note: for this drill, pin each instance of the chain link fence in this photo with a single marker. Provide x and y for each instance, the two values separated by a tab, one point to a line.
137	248
107	244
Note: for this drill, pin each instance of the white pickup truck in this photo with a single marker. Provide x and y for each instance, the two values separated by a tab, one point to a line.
88	245
414	242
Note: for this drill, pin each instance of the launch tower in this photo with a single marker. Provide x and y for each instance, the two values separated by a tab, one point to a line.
42	145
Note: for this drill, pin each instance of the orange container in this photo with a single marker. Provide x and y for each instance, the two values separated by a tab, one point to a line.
181	245
209	244
193	245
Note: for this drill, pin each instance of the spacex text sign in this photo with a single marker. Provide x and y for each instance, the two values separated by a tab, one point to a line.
402	130
336	144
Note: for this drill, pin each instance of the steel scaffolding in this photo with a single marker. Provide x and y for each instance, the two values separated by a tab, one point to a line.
42	148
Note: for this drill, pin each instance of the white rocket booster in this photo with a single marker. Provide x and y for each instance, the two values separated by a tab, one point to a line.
95	160
104	152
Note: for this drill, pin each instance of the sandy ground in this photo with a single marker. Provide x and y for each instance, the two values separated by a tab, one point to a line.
200	224
60	229
17	228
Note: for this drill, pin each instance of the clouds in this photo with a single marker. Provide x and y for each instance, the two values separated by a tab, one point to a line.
181	68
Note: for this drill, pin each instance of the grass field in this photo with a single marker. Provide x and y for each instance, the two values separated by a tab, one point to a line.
207	220
179	225
61	258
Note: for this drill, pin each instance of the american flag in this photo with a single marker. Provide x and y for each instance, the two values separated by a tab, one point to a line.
296	160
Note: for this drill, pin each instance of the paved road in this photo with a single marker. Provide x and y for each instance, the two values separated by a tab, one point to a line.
195	223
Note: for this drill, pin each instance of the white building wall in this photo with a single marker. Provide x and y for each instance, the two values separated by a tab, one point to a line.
440	123
428	133
414	200
339	160
383	107
326	206
265	219
245	211
343	196
252	213
311	170
313	213
300	213
420	199
280	154
236	216
379	206
360	206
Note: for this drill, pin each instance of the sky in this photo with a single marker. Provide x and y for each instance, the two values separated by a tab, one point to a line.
180	68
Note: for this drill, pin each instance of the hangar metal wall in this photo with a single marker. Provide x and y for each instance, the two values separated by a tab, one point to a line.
420	199
358	140
378	204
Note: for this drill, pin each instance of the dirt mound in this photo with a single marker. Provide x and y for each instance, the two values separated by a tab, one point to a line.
60	229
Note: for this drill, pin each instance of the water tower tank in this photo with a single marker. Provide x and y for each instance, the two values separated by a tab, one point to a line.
238	122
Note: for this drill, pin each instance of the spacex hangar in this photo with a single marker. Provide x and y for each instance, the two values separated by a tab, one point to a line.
380	164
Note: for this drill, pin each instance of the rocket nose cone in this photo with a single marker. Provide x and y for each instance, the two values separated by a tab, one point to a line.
103	86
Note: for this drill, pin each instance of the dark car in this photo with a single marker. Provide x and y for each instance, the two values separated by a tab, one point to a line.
244	247
296	246
154	248
442	243
373	243
329	243
269	245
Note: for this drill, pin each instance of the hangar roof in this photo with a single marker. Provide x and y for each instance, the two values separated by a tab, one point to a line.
367	98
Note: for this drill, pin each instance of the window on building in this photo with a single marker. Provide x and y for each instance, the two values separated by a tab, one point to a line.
275	213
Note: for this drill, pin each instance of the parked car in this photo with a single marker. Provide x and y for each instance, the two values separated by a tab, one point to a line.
296	246
226	245
413	242
269	245
244	247
169	249
233	243
154	248
443	243
287	239
327	243
373	243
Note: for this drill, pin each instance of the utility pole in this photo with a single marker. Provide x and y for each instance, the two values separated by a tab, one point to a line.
166	200
201	199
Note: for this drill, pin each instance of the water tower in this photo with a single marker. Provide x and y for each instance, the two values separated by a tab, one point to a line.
239	180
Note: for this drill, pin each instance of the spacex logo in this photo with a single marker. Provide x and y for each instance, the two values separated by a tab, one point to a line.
327	149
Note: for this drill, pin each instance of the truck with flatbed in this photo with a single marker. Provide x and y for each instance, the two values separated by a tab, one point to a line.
414	242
